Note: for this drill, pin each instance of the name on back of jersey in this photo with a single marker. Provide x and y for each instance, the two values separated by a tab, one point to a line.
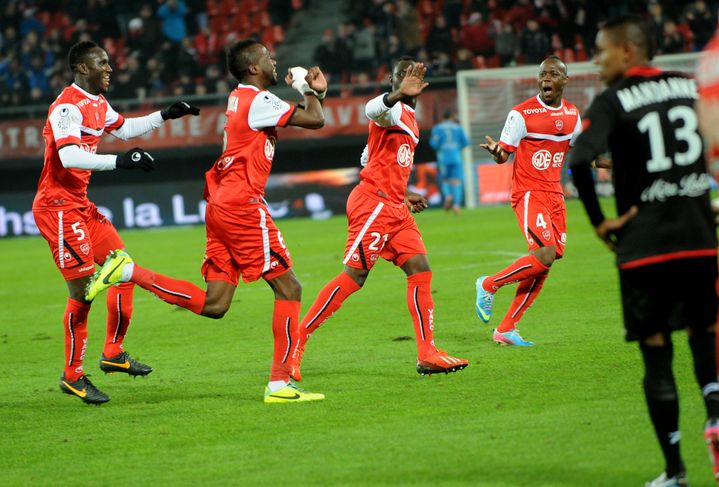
656	91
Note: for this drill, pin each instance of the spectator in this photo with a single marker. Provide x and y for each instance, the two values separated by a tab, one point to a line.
207	43
408	27
535	43
507	44
172	13
364	49
476	36
464	60
702	23
440	37
655	24
30	23
344	46
325	56
673	41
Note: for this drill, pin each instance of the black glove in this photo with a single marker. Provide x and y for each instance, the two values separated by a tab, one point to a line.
179	109
136	159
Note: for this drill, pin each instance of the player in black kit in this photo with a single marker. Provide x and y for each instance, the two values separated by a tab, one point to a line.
665	238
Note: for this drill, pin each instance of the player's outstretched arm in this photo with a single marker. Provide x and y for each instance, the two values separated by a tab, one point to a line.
499	155
313	87
73	157
136	126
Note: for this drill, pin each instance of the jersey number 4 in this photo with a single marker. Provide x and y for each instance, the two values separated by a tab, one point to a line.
686	132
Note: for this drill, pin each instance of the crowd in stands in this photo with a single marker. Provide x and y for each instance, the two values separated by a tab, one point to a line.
156	48
175	47
452	35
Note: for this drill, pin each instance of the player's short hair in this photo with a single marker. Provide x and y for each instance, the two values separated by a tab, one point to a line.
78	53
239	57
633	29
554	57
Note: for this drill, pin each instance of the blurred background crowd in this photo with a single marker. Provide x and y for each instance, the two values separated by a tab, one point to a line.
175	47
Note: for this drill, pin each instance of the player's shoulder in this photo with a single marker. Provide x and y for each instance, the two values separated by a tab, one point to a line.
529	103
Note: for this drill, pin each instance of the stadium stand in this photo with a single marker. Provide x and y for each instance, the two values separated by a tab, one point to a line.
174	47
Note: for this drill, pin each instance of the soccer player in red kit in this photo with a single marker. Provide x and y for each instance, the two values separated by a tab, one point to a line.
380	224
708	112
78	235
539	131
242	239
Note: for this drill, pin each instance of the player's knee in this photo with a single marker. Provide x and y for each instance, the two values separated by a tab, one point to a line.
546	255
214	310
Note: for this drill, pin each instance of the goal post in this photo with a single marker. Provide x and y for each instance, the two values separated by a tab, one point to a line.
485	97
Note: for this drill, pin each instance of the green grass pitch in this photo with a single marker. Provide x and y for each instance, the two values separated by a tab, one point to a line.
568	412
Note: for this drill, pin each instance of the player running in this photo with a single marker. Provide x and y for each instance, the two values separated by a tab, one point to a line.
78	234
242	239
539	131
665	230
380	223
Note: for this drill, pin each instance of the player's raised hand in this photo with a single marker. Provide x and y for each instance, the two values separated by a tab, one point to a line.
493	148
179	109
316	79
415	202
607	230
136	159
413	82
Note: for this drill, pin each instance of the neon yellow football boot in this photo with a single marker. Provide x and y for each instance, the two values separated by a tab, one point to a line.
109	274
291	393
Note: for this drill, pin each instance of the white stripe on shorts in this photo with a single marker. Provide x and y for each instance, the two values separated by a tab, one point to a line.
526	212
265	240
60	241
359	238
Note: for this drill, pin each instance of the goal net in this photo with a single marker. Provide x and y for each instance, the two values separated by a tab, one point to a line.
485	97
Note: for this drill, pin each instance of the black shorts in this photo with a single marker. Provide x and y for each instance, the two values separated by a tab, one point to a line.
669	296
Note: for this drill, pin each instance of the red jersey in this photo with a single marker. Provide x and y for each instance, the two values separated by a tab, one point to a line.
240	174
393	136
541	136
708	84
76	117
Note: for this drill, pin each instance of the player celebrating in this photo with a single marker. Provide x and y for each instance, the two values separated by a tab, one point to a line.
242	239
646	118
540	130
380	224
77	233
448	139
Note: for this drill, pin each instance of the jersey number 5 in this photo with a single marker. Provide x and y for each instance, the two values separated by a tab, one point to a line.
686	132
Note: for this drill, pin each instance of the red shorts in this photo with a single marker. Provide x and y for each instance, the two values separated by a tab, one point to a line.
542	217
78	238
243	243
378	228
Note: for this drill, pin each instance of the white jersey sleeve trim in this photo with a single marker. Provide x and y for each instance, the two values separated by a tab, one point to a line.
266	110
71	156
515	129
381	114
66	121
134	127
576	132
111	115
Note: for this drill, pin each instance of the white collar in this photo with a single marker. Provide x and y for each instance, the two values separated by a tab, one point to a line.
89	95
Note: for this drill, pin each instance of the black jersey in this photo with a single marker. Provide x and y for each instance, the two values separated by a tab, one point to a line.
648	123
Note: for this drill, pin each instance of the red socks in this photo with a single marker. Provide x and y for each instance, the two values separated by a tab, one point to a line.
173	291
119	312
421	308
521	269
75	323
527	292
328	301
285	330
